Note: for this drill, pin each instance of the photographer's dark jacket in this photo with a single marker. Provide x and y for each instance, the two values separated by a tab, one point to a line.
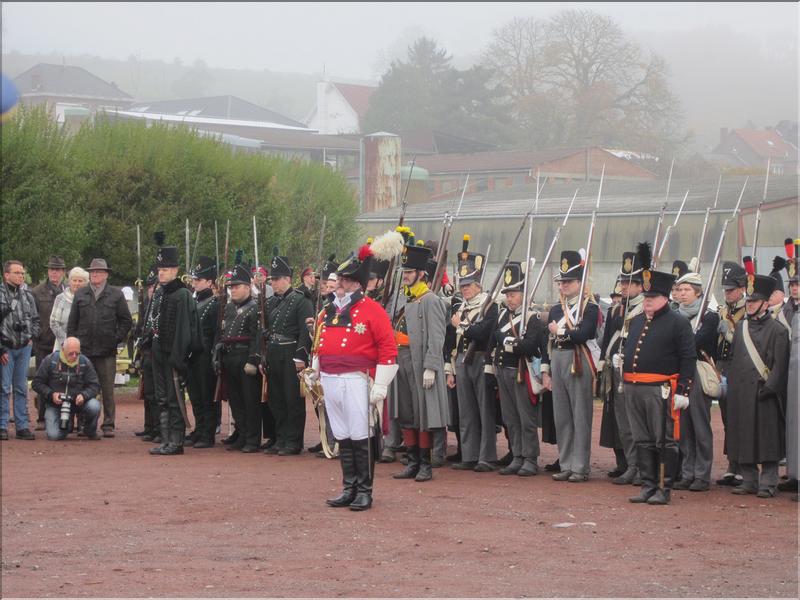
19	317
100	324
53	375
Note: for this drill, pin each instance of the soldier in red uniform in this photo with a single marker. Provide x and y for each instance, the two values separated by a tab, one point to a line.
356	361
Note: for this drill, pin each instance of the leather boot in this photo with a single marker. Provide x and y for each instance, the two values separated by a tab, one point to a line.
424	472
662	496
647	463
412	468
163	423
347	458
363	499
625	478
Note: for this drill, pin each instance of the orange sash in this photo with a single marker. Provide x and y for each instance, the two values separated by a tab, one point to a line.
660	378
400	338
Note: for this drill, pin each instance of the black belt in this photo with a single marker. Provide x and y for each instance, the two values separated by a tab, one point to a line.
563	346
278	338
237	346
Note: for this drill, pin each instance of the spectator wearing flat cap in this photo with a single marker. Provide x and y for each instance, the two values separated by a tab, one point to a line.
100	319
45	294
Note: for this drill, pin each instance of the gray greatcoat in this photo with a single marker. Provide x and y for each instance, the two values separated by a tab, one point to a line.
426	321
756	424
793	399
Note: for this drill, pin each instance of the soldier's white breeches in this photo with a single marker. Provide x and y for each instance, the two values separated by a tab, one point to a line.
346	403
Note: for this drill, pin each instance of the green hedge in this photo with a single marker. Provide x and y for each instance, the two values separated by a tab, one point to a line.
82	196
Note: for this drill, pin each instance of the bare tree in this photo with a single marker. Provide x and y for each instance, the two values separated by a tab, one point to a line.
576	79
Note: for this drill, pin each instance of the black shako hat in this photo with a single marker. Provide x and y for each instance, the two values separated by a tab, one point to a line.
631	269
470	264
654	283
205	268
571	266
760	287
679	269
279	267
415	258
513	279
167	257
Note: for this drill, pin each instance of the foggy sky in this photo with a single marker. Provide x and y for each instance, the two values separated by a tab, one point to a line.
345	38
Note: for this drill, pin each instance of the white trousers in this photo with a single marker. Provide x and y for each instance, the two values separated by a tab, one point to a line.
346	403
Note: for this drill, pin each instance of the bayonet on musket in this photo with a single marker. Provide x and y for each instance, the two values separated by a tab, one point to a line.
671	227
758	217
705	225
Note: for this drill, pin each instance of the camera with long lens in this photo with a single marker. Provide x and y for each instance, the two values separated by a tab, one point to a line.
66	411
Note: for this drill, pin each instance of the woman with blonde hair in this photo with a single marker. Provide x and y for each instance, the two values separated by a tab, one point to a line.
77	279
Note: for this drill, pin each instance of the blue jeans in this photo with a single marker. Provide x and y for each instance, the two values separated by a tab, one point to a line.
52	415
15	376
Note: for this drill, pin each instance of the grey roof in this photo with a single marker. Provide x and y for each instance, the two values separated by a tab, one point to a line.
221	107
64	80
618	197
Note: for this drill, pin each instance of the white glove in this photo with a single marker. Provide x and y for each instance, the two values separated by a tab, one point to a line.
600	365
311	375
428	377
383	377
508	344
679	402
250	369
617	360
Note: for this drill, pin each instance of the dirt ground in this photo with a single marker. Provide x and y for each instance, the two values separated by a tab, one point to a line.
82	518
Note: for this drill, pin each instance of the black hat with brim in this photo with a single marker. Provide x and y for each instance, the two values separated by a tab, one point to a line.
733	276
239	274
279	267
760	287
357	266
206	268
571	266
415	258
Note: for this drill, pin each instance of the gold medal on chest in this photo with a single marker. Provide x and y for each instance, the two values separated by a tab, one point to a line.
335	320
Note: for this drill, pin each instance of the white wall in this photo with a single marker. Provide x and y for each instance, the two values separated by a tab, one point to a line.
333	114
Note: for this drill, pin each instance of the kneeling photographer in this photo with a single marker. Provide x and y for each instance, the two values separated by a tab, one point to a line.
69	382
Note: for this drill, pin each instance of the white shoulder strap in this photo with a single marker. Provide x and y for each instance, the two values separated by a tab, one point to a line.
762	369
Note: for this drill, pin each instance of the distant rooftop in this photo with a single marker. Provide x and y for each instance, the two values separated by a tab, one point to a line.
220	107
620	197
66	81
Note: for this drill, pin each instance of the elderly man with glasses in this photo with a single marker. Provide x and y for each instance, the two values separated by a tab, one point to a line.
67	382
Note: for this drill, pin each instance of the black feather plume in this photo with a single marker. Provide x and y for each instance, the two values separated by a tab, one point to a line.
778	264
645	255
275	251
159	238
238	259
332	257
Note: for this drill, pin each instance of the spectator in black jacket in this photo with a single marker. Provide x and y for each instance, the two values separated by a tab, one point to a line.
100	319
67	382
697	442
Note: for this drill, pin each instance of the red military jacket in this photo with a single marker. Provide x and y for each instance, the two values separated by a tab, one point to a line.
358	338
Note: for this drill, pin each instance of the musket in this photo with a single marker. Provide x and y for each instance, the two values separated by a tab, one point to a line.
390	272
758	217
705	225
140	299
262	317
216	247
490	297
188	261
444	239
663	209
585	276
196	242
222	300
717	253
318	303
529	299
670	228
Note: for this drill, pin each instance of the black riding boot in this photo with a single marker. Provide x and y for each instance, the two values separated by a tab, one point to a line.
347	458
647	463
363	499
662	496
425	473
163	422
412	466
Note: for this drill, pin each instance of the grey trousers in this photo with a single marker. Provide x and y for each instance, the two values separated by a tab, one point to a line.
768	479
623	422
572	411
106	367
476	411
697	442
519	414
647	417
